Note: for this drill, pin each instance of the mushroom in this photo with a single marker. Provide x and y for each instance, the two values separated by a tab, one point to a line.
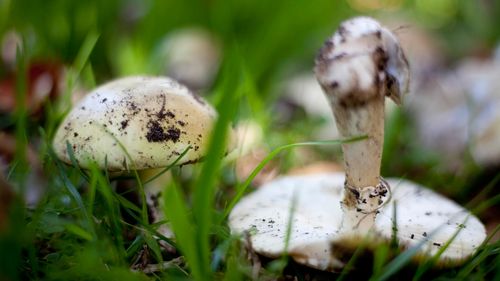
360	65
357	68
136	123
424	219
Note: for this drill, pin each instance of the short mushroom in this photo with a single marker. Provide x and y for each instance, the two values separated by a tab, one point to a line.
360	65
136	123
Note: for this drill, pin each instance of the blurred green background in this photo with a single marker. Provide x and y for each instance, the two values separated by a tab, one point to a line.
270	35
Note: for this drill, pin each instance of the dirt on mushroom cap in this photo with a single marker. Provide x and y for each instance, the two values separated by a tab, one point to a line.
154	118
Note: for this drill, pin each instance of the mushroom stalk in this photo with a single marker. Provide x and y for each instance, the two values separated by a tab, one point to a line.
360	65
365	191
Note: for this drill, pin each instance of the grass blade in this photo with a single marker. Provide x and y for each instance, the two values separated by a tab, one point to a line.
112	205
153	245
480	257
279	265
429	263
71	154
241	188
395	265
78	65
177	213
169	166
205	185
74	193
79	231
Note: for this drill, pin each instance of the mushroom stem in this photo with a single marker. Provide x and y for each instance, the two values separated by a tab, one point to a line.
357	68
362	161
362	158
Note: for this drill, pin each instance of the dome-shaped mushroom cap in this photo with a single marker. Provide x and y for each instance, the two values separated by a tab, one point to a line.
154	118
360	57
421	216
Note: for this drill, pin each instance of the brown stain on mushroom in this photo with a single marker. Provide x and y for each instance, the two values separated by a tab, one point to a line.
156	133
163	112
124	124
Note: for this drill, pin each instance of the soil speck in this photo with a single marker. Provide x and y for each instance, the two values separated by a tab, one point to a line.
124	124
157	134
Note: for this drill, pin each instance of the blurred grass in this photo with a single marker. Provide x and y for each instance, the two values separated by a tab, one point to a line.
84	228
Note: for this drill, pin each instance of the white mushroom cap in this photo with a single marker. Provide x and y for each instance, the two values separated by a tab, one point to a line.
422	215
358	59
154	118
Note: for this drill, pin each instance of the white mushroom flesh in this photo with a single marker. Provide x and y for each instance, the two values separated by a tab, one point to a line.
421	215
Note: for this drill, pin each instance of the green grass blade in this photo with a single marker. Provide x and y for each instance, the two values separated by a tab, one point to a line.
177	213
279	265
232	271
289	225
380	257
169	166
112	207
71	154
153	245
140	185
241	188
485	204
79	231
74	193
424	267
479	258
135	246
350	264
205	185
84	53
125	203
484	193
92	189
78	65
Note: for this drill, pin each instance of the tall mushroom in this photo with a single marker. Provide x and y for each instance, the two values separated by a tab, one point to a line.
357	68
136	123
301	215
